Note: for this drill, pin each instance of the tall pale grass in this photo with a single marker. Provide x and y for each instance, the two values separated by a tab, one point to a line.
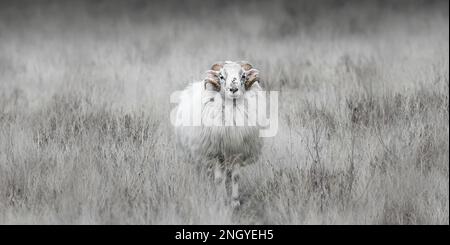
85	136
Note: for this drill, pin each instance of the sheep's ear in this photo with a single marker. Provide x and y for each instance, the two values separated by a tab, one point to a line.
212	80
252	76
217	66
246	65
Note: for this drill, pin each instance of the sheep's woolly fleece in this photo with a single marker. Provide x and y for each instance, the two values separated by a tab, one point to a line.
230	144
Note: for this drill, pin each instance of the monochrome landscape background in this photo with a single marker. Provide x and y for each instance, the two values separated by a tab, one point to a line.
85	135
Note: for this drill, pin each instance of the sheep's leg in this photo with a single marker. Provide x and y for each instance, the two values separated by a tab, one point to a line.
218	174
235	175
219	181
228	184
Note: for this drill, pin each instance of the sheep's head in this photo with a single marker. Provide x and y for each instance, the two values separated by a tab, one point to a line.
231	79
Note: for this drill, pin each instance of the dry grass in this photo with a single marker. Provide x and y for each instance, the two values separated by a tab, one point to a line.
85	136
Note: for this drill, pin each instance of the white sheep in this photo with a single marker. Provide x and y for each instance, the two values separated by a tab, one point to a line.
215	132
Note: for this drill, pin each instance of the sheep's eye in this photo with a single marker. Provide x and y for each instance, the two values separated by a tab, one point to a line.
221	77
243	76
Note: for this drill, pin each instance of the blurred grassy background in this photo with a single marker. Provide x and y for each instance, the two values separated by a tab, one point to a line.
84	110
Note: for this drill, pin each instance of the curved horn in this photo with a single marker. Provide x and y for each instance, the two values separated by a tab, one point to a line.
252	74
217	66
212	76
213	79
246	65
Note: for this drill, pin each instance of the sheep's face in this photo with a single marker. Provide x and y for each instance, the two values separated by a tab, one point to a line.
232	79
